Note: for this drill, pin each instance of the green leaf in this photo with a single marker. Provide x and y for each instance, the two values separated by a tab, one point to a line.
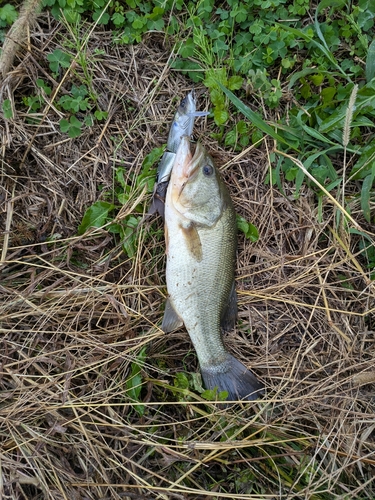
118	19
322	5
193	69
95	216
100	17
370	62
72	127
71	16
134	382
300	177
214	78
235	82
181	381
327	94
129	235
100	115
327	4
242	127
220	116
153	157
42	85
317	79
335	120
88	120
366	193
363	166
7	109
316	134
58	58
249	230
231	138
323	48
214	395
119	175
187	48
217	98
80	91
8	14
139	22
305	72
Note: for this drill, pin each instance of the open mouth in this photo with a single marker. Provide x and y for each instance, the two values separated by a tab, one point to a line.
190	166
186	165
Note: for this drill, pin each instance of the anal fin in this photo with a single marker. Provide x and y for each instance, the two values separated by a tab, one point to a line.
171	320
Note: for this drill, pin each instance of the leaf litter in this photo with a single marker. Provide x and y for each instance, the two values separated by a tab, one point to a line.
76	313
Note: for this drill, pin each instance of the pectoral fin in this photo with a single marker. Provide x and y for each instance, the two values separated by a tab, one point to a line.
171	320
229	316
193	241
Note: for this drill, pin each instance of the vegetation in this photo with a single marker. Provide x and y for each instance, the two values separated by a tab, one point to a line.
96	401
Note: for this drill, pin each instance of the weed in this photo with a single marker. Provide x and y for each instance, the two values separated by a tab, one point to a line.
8	15
72	127
249	230
7	109
72	324
58	59
95	216
104	213
78	101
133	383
186	384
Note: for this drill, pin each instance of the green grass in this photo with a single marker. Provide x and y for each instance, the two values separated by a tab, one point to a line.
298	84
302	70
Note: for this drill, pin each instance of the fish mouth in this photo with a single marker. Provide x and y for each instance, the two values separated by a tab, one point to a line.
192	98
186	164
190	104
181	164
191	167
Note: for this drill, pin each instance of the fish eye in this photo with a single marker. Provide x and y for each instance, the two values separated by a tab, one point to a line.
183	102
207	170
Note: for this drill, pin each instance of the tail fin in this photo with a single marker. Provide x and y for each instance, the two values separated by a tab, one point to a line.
232	376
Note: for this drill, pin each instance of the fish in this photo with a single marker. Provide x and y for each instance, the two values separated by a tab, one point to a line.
201	247
182	124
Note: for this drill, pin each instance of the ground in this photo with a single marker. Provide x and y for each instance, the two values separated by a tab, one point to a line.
76	311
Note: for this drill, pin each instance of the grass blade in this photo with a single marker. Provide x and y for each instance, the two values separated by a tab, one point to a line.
254	117
366	193
370	62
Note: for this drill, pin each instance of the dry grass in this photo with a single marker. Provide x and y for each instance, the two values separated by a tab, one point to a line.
75	312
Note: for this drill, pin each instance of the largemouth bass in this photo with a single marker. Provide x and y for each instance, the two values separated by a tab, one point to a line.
182	124
201	244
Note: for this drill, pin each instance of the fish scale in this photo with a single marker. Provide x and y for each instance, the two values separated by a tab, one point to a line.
195	290
201	241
